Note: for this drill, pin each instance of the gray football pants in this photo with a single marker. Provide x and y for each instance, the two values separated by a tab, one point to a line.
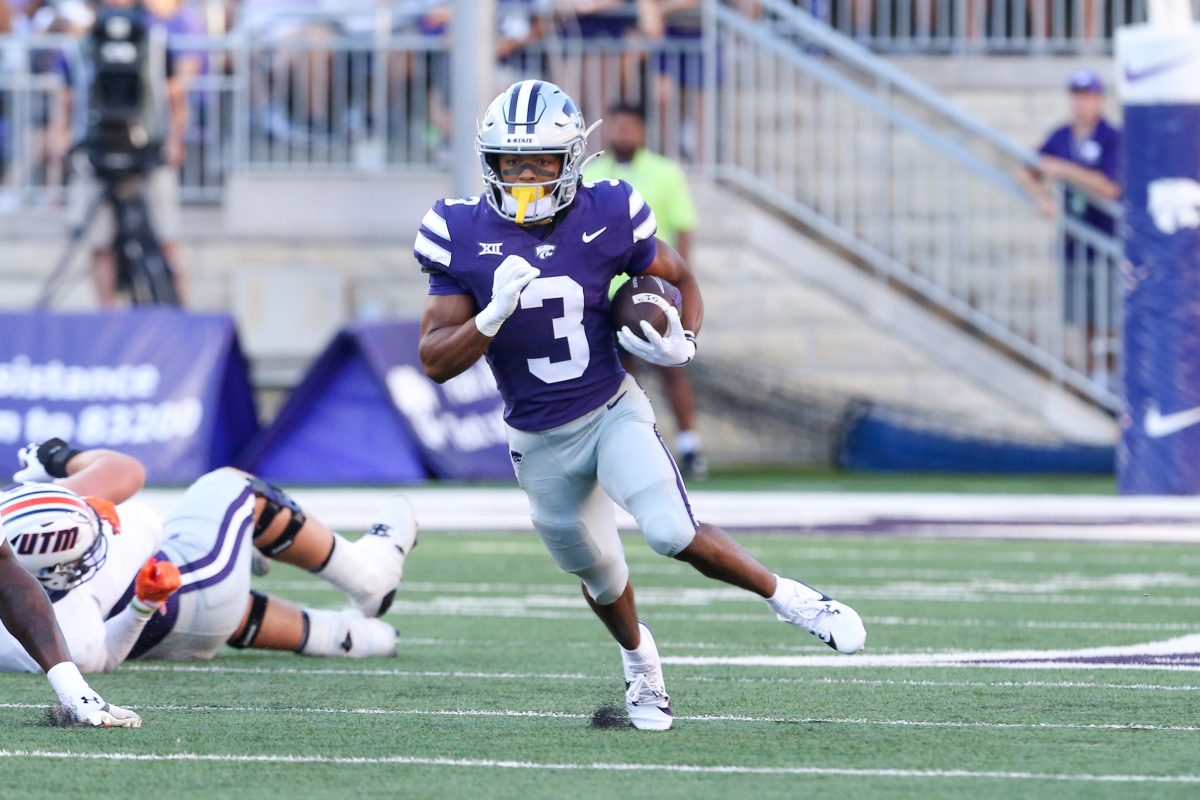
570	472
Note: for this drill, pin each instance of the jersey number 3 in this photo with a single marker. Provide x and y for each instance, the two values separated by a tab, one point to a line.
569	326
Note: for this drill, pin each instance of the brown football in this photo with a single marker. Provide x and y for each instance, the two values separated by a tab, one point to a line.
644	298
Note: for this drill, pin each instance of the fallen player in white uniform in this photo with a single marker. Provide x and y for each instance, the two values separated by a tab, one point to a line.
125	585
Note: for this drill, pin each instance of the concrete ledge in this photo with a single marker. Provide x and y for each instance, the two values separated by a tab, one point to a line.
333	206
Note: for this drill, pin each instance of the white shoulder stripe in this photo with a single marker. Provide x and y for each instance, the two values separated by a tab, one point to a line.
436	223
647	229
635	202
434	252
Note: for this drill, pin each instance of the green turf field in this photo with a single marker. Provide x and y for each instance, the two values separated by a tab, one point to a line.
501	667
792	479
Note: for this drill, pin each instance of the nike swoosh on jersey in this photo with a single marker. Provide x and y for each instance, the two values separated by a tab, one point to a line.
1157	424
1135	75
587	237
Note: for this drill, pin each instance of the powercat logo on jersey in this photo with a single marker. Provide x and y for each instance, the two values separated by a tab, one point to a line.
544	251
28	544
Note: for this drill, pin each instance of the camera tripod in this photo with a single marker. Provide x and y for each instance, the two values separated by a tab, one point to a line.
142	268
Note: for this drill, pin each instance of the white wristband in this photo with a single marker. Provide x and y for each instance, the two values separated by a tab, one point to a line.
144	608
490	326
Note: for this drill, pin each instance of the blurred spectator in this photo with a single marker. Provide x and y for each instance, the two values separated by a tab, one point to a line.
518	25
679	77
6	28
661	183
291	86
43	158
178	20
611	74
162	184
1084	155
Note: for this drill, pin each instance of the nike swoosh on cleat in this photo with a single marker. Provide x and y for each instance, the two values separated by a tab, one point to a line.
346	645
620	397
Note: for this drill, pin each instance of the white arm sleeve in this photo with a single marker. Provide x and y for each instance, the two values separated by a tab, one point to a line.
122	632
95	645
140	537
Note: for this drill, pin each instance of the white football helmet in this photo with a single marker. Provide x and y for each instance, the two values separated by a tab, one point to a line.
532	116
55	534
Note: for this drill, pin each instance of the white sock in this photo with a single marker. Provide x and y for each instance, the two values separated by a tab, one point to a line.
69	685
346	565
687	442
644	655
786	591
326	632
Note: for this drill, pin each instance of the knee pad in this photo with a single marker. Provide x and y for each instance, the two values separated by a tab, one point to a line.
277	500
668	526
258	610
605	581
667	534
602	570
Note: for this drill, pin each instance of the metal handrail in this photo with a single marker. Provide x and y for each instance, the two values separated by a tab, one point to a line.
988	258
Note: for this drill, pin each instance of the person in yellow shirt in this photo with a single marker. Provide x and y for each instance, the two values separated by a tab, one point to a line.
661	183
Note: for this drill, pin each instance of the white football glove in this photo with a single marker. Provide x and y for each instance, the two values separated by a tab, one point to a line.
677	348
82	704
107	716
509	280
31	470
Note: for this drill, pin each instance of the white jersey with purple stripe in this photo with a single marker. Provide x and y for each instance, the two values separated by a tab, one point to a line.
207	535
82	612
555	359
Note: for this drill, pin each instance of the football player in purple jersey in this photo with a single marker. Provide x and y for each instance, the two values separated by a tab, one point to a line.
520	275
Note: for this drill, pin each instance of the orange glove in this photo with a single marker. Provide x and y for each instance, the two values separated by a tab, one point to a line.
156	580
106	510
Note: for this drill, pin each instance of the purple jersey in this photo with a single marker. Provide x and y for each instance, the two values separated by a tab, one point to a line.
1101	151
555	358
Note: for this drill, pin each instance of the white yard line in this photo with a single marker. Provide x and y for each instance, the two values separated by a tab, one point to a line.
366	673
398	673
730	769
1095	518
1116	657
466	712
1134	687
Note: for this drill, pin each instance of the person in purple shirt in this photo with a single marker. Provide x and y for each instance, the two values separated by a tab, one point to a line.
1084	155
520	275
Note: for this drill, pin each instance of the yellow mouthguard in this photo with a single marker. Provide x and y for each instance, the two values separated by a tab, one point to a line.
524	195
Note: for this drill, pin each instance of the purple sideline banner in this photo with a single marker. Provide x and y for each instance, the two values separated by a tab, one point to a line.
365	413
164	385
1160	87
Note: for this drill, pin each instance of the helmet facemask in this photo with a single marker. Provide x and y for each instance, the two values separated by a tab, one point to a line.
532	118
66	576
